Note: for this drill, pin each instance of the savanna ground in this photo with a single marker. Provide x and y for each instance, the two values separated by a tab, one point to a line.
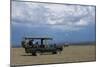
71	54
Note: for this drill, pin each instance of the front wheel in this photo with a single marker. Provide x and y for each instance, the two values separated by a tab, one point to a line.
58	52
36	53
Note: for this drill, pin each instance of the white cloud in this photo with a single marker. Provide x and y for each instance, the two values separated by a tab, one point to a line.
64	17
81	23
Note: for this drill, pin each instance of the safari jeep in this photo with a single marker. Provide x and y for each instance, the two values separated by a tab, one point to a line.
40	46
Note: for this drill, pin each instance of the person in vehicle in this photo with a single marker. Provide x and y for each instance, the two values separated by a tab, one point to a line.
31	43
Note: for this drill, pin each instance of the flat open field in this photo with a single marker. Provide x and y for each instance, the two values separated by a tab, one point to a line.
69	54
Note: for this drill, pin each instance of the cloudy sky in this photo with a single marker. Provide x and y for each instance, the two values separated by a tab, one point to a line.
63	22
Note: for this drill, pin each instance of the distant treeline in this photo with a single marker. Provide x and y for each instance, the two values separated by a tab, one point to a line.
82	43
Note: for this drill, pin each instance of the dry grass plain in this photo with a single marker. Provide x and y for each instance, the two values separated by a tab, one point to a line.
69	54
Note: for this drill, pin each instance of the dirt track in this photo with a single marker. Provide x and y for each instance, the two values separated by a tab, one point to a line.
69	54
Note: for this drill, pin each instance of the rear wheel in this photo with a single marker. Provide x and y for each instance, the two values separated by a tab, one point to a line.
54	52
33	54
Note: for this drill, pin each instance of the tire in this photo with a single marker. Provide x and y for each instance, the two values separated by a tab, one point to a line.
37	53
58	52
54	52
33	54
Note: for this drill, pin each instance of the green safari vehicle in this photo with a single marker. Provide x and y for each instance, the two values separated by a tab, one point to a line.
39	45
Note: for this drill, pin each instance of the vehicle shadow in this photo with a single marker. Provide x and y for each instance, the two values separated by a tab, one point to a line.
40	54
26	55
